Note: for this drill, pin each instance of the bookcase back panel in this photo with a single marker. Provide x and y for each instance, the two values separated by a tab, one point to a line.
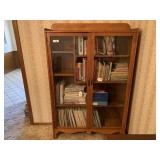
116	92
123	45
63	63
62	43
107	117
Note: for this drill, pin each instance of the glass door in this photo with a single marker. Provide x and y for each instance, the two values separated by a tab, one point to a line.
111	62
70	61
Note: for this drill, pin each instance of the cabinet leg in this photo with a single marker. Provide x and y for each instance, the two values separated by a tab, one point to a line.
54	135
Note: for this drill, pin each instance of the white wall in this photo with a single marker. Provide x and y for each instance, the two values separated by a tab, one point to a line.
9	38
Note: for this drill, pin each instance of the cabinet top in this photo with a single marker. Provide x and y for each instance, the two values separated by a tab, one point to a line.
92	27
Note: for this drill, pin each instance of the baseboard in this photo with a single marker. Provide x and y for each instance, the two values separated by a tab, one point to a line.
37	123
130	137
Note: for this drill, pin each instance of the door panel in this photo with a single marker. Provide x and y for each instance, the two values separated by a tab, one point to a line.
111	58
70	77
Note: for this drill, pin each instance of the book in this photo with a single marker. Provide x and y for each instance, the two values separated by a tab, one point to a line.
103	70
61	92
68	117
100	98
110	45
120	71
58	93
74	94
81	70
80	46
85	47
96	119
105	45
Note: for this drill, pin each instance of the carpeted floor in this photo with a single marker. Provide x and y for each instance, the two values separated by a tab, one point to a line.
17	127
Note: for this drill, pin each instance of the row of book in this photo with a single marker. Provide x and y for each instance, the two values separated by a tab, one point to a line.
81	70
110	71
103	70
100	98
76	117
120	71
105	45
82	46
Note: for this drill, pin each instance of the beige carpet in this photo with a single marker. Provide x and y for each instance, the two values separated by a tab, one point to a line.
17	127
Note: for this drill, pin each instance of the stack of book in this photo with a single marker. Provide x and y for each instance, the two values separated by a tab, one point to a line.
100	98
82	46
120	71
103	70
74	94
81	70
69	117
105	45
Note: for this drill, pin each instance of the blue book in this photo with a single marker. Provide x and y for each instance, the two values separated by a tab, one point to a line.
100	96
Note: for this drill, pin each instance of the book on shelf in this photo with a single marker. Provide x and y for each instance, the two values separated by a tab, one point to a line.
96	119
69	117
82	46
60	92
100	98
103	70
119	71
81	70
75	94
70	94
85	47
105	45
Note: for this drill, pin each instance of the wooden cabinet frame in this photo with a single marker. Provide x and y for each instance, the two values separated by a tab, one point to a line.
91	31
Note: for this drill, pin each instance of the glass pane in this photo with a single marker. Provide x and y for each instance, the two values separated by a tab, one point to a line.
69	66
112	45
111	62
63	43
107	117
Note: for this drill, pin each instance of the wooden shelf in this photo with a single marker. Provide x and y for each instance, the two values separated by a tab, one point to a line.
70	105
111	123
117	81
70	52
111	105
113	56
64	75
77	56
110	118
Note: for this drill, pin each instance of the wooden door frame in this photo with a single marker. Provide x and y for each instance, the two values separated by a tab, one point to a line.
22	66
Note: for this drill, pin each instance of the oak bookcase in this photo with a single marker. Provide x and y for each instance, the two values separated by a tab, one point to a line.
63	55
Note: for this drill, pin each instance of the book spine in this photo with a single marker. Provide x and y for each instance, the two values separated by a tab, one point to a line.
85	47
61	92
80	45
84	69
